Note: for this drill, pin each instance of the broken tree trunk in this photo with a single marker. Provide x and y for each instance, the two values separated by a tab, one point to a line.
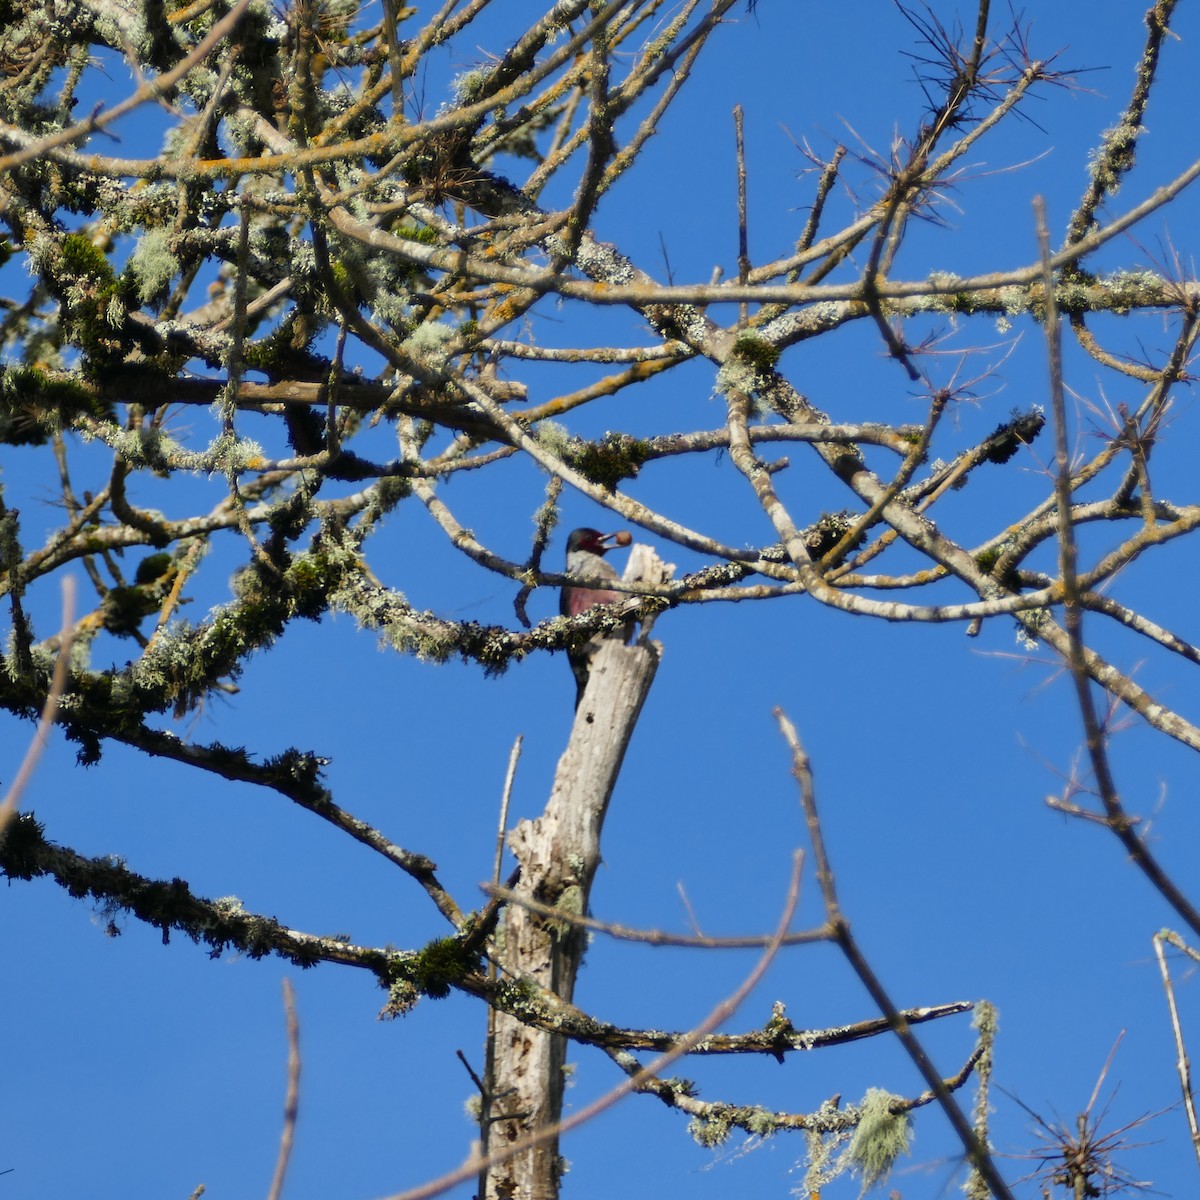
558	854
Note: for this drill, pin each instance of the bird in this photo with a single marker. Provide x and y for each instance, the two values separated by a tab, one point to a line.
585	560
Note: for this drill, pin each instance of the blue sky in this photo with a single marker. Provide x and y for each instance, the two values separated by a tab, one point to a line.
137	1069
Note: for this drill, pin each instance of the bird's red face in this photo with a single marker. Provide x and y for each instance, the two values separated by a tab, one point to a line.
591	540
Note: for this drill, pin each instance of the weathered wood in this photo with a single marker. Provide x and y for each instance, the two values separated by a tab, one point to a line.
558	854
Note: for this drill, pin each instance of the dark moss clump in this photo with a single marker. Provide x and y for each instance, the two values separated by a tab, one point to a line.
33	406
1009	437
94	302
440	965
987	559
125	608
151	568
827	531
280	357
309	581
756	351
82	257
617	456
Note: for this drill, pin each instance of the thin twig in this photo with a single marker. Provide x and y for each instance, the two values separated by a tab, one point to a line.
1182	1065
505	797
654	937
743	239
58	682
489	1068
1076	654
291	1102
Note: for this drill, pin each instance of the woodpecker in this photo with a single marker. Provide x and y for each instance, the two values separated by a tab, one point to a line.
585	560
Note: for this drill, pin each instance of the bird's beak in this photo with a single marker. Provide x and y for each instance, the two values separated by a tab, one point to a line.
620	537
